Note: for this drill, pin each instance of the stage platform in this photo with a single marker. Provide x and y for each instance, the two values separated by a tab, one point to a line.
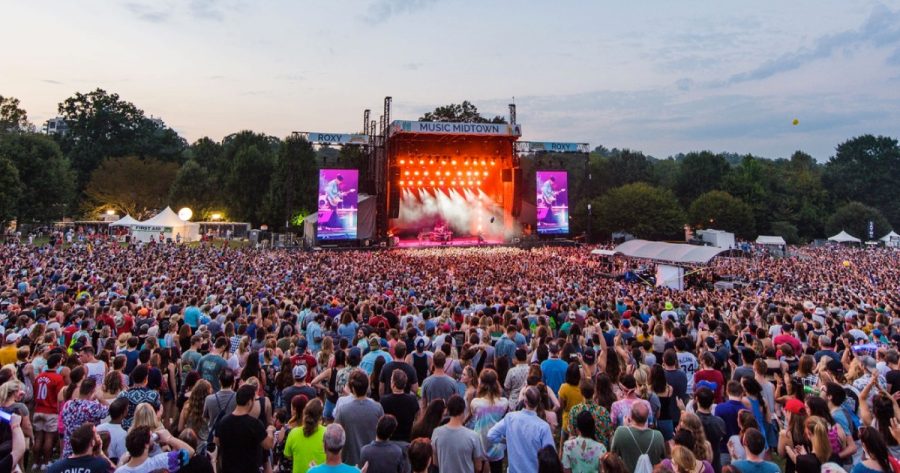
456	242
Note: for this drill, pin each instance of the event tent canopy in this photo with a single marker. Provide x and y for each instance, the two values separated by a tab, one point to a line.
125	221
890	236
166	218
844	237
677	253
770	240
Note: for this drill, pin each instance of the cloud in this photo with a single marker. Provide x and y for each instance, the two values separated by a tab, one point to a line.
411	66
51	81
381	11
152	14
881	29
206	10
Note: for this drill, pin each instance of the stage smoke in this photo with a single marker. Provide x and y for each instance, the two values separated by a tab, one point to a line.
467	212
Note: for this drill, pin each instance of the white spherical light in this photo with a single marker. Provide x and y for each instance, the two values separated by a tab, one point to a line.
185	213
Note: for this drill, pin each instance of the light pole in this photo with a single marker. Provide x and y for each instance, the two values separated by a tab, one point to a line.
589	218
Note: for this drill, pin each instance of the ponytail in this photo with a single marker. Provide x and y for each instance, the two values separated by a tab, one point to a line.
821	446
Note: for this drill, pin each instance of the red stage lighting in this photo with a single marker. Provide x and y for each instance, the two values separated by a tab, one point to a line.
459	173
402	161
483	162
468	173
406	173
453	162
471	183
401	183
419	183
432	183
416	173
421	161
425	173
453	183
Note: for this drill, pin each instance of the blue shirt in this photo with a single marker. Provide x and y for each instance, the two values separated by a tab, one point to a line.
728	411
348	331
747	466
314	331
192	316
368	362
505	347
525	433
342	468
554	371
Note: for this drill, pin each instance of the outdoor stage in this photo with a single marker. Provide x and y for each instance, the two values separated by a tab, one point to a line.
456	242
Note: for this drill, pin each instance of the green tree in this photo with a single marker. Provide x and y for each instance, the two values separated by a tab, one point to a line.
295	183
786	230
132	185
665	173
700	173
866	169
804	200
854	218
194	187
640	209
47	182
13	117
618	168
721	210
250	161
754	181
101	125
10	191
465	112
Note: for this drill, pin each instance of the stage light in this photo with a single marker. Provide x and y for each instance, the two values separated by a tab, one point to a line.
459	173
416	173
440	183
401	183
430	161
484	173
467	162
432	183
406	173
185	213
471	183
419	183
402	161
453	162
468	173
476	173
421	161
483	162
425	173
453	183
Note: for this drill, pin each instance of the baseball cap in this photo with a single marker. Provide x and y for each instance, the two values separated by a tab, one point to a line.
299	371
374	341
707	384
302	344
835	367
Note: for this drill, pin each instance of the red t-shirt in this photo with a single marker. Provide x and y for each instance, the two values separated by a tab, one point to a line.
46	390
790	340
68	332
712	376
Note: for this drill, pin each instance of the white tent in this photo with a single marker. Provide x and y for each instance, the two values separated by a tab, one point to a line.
675	253
844	237
168	224
770	240
891	239
717	238
125	221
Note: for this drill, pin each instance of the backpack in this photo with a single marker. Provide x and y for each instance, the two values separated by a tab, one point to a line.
854	422
210	439
643	465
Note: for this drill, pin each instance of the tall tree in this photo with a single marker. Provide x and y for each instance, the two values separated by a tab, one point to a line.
700	173
47	182
642	210
101	125
251	163
133	185
854	218
721	210
12	116
465	112
10	191
194	187
867	169
295	184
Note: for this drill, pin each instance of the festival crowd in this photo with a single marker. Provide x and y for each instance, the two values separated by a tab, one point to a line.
169	358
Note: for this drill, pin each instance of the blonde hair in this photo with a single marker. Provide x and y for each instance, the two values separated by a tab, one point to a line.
821	446
10	388
683	459
691	422
145	415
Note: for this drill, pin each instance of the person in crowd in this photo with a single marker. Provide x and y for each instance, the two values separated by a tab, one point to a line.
240	437
383	455
304	445
635	438
457	448
754	444
87	453
139	393
420	455
333	442
524	433
582	453
402	405
359	418
140	441
113	428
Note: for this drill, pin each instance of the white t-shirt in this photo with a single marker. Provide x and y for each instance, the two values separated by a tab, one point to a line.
687	363
116	439
96	370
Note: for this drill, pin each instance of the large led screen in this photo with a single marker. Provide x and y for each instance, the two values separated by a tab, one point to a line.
552	203
338	199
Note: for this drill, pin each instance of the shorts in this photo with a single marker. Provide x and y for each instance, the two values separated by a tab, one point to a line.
45	422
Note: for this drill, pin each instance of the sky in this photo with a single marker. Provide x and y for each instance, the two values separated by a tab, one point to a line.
658	76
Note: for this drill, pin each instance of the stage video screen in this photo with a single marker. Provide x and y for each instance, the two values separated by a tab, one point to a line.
552	203
338	201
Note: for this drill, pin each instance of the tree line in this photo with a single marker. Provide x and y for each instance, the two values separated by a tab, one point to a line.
113	156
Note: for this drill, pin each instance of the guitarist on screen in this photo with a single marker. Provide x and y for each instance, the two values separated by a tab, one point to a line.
548	195
334	197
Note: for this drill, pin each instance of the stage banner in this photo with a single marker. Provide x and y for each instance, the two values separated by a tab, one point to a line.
337	138
551	147
496	129
552	203
338	204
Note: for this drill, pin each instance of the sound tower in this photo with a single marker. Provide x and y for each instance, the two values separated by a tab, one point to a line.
394	196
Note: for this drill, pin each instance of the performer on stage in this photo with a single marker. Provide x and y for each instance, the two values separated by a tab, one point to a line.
548	195
334	198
